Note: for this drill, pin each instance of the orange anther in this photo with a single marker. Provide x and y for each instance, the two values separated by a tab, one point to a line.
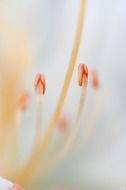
95	81
40	84
23	101
82	74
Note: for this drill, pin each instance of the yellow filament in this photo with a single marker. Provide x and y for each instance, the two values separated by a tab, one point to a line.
69	71
27	171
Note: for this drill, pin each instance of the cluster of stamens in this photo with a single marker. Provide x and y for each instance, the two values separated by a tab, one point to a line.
24	173
40	88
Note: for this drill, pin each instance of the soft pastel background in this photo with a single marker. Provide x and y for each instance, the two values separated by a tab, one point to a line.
50	25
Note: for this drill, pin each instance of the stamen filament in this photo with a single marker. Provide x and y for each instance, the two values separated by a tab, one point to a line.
38	125
40	87
92	117
91	122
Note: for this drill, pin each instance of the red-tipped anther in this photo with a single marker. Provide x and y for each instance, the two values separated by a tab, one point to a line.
16	187
94	76
40	84
82	74
23	101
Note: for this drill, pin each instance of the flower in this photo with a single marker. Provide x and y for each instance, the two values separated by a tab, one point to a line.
93	161
12	113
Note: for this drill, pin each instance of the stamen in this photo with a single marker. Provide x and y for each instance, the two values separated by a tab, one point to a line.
92	117
82	75
40	85
32	164
40	89
82	82
95	81
23	101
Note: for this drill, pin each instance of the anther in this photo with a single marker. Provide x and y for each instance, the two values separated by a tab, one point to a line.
94	77
23	101
40	84
82	74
